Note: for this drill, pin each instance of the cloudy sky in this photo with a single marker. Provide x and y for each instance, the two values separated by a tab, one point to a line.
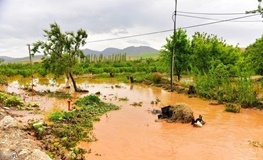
22	21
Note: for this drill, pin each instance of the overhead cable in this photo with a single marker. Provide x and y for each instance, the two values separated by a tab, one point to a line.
169	30
215	14
213	19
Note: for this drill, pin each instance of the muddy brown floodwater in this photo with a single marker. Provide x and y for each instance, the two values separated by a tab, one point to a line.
131	133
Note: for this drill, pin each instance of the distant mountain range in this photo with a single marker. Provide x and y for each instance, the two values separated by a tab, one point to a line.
10	59
128	50
108	51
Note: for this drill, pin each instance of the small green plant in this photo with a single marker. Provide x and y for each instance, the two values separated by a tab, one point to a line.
77	153
56	116
38	127
235	108
31	106
13	101
88	100
3	97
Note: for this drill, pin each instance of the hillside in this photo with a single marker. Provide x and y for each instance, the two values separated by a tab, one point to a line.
23	59
130	51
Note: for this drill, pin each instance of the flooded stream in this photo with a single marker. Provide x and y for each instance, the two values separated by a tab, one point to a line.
131	133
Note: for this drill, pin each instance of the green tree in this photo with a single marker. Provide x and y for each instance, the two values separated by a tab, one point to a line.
206	49
181	55
254	56
61	50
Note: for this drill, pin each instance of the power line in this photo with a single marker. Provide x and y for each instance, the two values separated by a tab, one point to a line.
136	35
210	23
215	14
206	18
169	30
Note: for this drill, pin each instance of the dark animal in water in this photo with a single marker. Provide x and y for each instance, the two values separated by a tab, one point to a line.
166	112
199	122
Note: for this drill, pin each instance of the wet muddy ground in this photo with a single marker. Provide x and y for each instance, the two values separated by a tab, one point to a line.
131	133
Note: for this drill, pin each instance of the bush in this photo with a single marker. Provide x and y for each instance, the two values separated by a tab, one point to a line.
13	102
56	116
88	100
235	108
157	78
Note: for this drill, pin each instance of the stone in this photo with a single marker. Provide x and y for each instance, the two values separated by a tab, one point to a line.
38	155
8	122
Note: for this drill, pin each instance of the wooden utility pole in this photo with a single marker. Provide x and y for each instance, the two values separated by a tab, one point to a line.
174	40
30	58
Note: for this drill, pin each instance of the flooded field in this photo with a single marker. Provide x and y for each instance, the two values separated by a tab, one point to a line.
131	133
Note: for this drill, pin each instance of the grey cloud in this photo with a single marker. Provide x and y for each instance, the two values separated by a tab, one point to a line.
22	22
138	41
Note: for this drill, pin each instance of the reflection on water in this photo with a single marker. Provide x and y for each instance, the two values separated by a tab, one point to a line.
131	133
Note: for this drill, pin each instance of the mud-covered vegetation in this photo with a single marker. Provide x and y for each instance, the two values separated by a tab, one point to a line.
181	112
68	128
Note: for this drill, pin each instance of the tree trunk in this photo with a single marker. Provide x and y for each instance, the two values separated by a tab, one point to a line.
67	83
178	77
73	81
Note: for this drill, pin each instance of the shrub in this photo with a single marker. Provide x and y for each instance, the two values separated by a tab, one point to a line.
157	78
87	100
235	108
56	116
247	95
13	102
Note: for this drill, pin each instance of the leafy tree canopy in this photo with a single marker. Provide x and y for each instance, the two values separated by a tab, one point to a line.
61	50
254	56
258	10
182	52
206	49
